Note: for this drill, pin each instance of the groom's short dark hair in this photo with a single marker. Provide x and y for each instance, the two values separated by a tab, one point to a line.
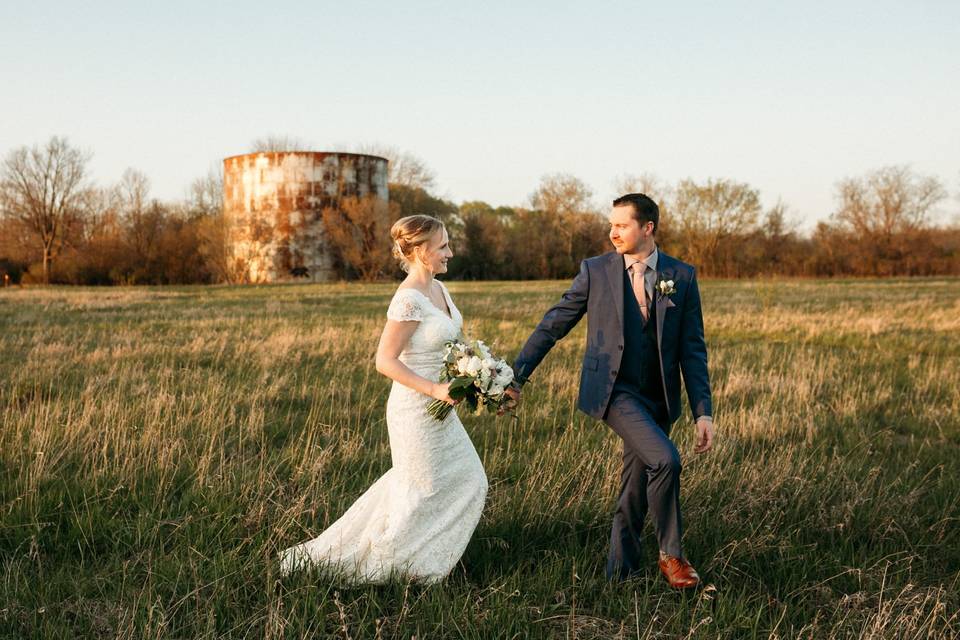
644	209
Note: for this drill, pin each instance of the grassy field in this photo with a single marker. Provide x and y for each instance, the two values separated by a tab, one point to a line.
159	446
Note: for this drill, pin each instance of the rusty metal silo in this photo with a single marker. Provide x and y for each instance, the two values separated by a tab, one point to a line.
273	203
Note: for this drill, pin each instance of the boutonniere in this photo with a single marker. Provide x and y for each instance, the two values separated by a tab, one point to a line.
666	288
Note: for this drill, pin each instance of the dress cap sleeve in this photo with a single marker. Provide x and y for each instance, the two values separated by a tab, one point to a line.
405	306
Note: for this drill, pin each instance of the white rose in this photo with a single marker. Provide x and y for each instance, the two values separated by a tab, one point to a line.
462	365
483	349
504	375
473	366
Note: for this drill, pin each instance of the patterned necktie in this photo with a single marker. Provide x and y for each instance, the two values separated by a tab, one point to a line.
638	270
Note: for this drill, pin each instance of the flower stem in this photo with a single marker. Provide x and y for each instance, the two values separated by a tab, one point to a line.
439	409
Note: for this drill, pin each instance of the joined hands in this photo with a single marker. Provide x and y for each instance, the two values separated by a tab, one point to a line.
513	393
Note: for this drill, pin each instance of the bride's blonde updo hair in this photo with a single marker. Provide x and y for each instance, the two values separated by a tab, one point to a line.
410	232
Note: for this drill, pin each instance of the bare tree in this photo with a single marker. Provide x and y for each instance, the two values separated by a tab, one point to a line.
562	194
45	188
886	214
15	240
133	194
705	215
204	205
104	212
205	195
136	214
568	203
646	183
888	201
274	142
359	231
778	222
403	168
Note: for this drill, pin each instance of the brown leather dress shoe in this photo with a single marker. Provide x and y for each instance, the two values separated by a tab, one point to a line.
678	572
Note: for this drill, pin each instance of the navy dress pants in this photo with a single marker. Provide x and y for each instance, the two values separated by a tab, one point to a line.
650	480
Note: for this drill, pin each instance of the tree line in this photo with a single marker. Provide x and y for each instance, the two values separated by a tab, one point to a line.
56	226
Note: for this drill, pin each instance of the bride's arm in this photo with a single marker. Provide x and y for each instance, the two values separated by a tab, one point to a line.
392	340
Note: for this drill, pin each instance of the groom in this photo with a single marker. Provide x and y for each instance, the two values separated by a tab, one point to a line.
644	329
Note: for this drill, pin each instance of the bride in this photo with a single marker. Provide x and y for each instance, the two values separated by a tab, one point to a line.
417	518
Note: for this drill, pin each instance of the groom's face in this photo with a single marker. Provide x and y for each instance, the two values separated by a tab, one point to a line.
626	233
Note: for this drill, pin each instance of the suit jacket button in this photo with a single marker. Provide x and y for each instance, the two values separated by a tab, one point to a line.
620	346
614	372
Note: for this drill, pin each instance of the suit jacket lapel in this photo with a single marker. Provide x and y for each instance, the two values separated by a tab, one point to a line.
615	269
665	271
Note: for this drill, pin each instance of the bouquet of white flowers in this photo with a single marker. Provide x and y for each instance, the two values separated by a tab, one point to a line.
476	377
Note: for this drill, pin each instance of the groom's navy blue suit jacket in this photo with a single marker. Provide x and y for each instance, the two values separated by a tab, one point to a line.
598	291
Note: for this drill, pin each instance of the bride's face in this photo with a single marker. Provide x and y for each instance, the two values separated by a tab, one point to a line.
436	252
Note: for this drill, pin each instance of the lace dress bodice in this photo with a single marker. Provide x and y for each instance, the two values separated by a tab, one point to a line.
424	350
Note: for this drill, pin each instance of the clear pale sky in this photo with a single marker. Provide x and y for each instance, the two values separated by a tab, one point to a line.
788	96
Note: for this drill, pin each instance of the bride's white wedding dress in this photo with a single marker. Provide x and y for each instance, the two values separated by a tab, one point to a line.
417	518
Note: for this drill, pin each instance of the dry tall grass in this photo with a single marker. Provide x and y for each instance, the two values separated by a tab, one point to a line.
158	446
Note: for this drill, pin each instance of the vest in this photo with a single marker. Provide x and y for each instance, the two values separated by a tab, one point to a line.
639	372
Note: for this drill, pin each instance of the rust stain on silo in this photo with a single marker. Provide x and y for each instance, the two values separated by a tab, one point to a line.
273	204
